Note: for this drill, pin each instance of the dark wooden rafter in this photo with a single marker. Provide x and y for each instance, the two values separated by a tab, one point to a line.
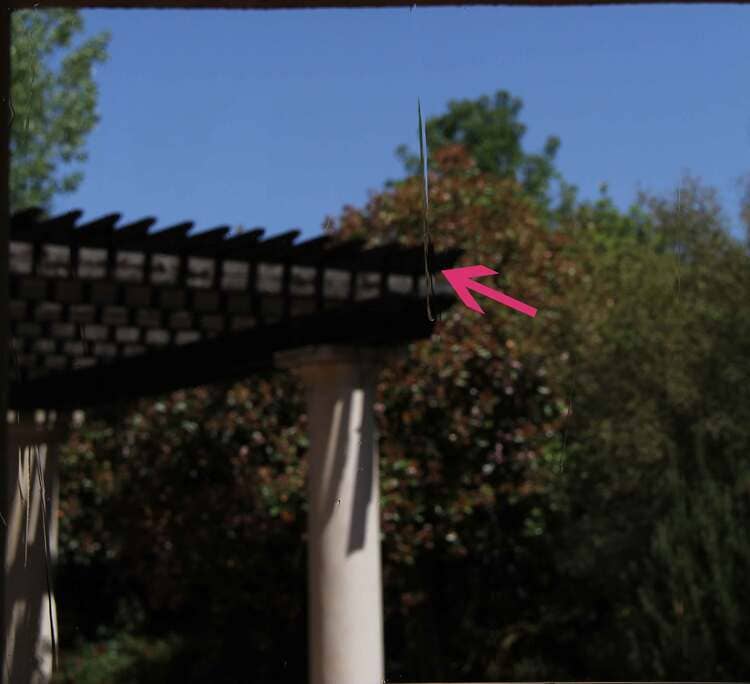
100	230
208	242
176	240
133	232
94	300
84	304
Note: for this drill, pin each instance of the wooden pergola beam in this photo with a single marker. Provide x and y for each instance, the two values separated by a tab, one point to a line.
6	482
229	358
130	293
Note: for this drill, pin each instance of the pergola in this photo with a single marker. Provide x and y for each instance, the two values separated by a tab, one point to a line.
98	312
101	312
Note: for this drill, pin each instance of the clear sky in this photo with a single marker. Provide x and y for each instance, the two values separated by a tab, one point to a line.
278	119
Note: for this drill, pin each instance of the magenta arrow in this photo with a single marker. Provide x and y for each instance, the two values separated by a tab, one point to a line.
461	280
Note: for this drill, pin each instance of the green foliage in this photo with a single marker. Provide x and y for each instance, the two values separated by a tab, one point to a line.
53	95
658	447
124	659
692	622
564	497
492	132
205	525
745	206
468	421
693	596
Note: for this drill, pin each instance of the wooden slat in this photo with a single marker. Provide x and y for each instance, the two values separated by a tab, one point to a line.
133	232
98	233
324	254
176	241
236	243
276	247
172	238
375	258
382	322
207	242
56	230
21	220
341	253
408	261
309	252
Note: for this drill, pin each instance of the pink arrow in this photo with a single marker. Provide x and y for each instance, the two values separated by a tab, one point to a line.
461	281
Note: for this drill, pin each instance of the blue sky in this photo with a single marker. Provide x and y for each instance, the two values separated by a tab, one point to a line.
278	119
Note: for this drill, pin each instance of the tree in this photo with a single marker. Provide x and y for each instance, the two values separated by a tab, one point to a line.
187	514
692	595
562	497
469	424
491	132
53	96
200	485
657	501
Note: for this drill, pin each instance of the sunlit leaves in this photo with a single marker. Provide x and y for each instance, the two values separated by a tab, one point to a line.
53	97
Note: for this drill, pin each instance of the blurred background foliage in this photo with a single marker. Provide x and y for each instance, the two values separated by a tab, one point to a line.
564	497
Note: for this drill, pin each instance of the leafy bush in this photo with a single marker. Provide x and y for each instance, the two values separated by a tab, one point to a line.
544	512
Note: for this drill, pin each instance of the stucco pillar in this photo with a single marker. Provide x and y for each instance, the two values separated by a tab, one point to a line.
345	604
31	470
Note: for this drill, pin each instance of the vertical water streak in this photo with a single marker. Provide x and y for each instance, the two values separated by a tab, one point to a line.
427	238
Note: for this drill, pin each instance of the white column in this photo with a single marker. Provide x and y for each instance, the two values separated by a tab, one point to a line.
30	552
345	602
